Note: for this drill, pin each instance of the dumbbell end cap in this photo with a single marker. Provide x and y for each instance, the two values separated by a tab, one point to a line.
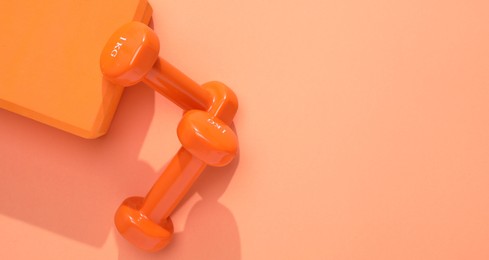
208	138
139	230
129	54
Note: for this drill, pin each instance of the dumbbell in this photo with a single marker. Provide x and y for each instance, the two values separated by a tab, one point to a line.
131	56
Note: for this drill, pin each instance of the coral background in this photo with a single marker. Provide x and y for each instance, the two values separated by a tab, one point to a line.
364	133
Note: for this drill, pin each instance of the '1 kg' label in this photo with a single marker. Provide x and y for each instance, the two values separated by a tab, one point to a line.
216	125
117	47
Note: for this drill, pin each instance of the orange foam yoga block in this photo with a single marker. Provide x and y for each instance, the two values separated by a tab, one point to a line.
49	65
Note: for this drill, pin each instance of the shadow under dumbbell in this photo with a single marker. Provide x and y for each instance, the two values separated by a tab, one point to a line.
69	185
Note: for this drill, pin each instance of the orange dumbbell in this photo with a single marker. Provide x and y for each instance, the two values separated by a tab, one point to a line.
131	56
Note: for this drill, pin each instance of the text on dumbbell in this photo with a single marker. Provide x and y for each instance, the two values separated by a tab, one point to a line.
117	47
216	125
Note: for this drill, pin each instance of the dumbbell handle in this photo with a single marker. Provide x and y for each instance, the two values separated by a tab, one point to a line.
172	185
182	171
177	87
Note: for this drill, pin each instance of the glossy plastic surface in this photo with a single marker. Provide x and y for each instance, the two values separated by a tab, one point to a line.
49	66
130	56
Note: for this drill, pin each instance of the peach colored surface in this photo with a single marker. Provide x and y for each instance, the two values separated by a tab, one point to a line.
364	132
